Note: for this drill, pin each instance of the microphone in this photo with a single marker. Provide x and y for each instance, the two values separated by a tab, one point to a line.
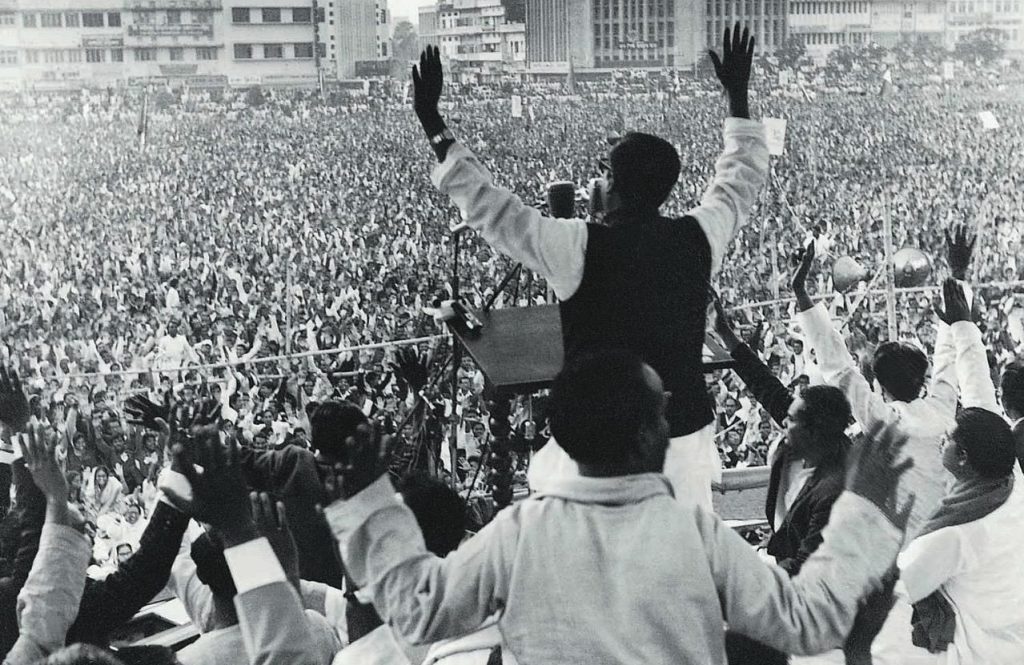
562	199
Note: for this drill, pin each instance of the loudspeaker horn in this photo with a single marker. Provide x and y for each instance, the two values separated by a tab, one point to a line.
847	273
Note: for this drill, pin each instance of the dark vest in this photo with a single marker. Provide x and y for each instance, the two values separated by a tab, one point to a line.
645	290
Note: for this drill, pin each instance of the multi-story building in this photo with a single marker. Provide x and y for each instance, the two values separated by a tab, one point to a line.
614	34
965	16
477	41
824	25
99	43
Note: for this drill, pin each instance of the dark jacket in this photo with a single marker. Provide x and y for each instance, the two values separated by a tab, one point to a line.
110	603
645	290
31	512
800	532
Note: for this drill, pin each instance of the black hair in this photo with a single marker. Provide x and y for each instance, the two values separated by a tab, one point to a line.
1012	386
988	441
439	511
900	369
645	168
599	405
331	423
828	411
212	568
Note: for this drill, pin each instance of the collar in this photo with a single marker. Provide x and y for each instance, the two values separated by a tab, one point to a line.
614	491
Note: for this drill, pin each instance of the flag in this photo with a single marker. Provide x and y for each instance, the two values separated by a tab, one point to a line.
775	133
143	120
887	86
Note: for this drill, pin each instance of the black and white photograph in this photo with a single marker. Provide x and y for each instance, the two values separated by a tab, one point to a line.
511	332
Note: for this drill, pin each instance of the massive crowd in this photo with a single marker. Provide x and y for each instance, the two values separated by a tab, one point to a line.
217	262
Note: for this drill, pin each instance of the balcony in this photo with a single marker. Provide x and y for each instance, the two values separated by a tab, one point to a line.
172	4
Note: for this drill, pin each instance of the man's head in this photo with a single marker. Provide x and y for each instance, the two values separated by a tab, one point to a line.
817	422
900	369
212	568
731	406
608	414
331	423
982	444
132	513
124	552
1012	389
641	171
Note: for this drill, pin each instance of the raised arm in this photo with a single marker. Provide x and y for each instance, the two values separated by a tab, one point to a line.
815	610
553	248
768	390
834	359
742	167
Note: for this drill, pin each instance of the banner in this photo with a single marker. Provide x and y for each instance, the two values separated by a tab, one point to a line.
988	120
775	133
947	70
517	106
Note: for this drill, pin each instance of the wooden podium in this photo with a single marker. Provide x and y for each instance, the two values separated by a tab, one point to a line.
520	351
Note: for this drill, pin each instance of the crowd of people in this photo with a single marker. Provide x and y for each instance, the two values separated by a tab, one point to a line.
245	265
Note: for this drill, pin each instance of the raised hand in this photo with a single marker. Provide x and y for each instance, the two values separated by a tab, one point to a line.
874	474
957	308
220	496
38	450
959	248
144	412
756	337
733	68
366	457
800	279
410	367
14	409
427	80
272	523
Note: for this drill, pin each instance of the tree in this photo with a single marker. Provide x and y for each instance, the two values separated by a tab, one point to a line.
985	44
404	42
791	52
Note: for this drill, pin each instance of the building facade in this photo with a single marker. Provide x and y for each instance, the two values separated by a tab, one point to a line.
476	39
616	34
102	43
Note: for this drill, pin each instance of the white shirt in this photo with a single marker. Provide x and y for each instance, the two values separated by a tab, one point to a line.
556	248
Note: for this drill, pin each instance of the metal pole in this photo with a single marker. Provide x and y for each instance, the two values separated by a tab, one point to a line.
890	270
316	48
288	306
453	441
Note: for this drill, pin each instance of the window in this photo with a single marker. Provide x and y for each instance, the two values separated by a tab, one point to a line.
28	20
203	17
114	19
92	19
239	15
75	55
301	15
6	18
95	55
145	54
177	54
31	56
71	20
304	50
117	55
8	57
273	51
322	49
206	53
243	51
49	20
173	17
271	15
53	56
320	15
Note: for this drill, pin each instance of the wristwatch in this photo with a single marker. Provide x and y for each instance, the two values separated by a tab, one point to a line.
446	135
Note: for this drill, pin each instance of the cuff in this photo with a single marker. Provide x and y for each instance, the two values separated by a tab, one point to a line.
964	333
456	152
253	564
345	516
66	539
860	516
744	127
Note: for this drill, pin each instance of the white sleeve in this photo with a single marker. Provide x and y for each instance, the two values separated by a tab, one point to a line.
740	173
